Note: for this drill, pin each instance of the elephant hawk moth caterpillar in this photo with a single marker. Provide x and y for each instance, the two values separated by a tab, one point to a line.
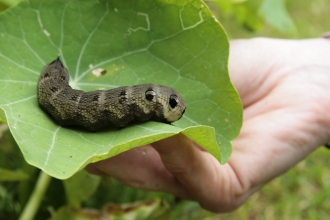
101	108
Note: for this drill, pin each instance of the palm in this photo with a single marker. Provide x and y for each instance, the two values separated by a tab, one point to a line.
284	94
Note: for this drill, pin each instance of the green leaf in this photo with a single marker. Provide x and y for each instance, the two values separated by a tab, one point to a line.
76	192
174	43
10	2
246	12
277	15
9	175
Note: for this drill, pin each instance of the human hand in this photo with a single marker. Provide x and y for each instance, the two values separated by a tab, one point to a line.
284	87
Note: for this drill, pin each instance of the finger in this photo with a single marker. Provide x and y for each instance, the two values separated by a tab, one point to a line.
91	168
141	168
198	171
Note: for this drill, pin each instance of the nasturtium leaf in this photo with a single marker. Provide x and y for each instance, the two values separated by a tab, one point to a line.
169	42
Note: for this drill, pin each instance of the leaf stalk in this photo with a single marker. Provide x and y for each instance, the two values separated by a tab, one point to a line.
36	197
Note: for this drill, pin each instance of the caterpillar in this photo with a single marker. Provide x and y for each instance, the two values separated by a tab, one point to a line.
102	108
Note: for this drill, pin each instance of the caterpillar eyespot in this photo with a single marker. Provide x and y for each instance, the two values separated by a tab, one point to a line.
150	94
174	101
101	108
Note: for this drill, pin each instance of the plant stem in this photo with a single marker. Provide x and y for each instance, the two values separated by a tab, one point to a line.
37	195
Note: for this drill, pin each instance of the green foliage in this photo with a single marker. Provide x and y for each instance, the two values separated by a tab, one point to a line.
8	175
246	12
4	4
178	44
301	193
276	15
252	14
80	187
10	2
156	209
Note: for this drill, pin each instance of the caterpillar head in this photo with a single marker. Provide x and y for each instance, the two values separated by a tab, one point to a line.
176	108
171	105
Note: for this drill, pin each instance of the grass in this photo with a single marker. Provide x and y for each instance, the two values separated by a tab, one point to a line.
301	193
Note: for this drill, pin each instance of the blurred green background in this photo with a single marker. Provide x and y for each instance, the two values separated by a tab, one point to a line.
301	193
310	18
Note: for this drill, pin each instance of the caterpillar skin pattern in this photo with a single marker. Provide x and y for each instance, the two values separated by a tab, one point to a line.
101	108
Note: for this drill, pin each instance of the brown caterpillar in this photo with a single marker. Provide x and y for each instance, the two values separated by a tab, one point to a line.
101	108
